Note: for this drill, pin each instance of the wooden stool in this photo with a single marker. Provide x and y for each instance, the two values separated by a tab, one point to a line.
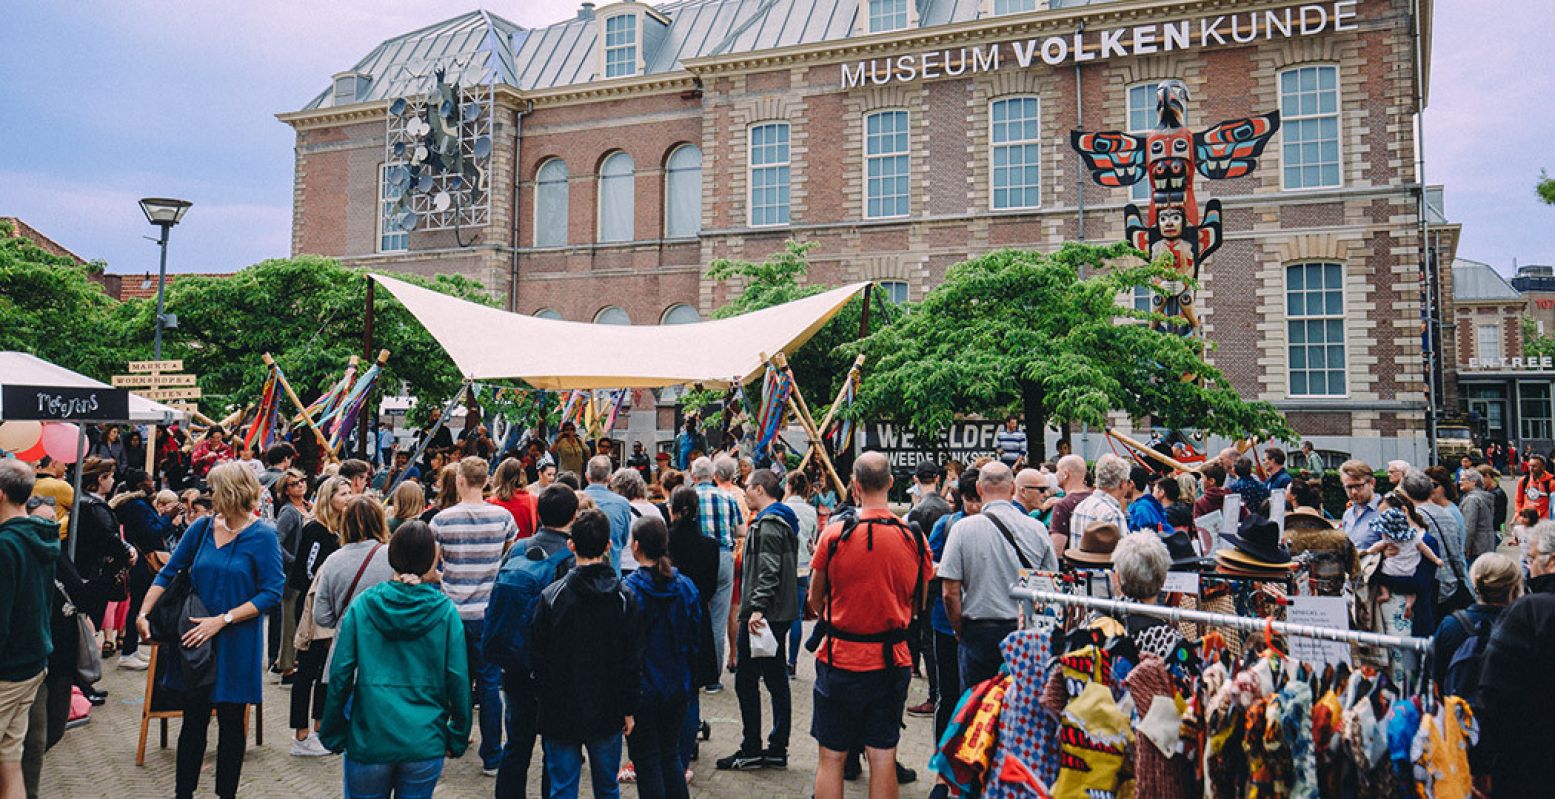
149	710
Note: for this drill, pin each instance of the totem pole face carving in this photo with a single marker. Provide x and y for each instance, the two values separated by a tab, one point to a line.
1168	157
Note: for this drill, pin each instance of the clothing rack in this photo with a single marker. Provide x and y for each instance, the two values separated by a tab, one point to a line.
1112	606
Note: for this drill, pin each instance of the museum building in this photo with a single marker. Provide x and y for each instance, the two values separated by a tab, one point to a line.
608	158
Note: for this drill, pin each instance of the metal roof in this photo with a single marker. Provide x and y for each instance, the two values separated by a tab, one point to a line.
1473	281
564	54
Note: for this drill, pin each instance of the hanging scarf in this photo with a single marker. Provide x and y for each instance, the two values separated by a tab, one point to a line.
775	391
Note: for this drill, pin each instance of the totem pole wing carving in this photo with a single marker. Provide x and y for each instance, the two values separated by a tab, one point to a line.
1116	159
1230	149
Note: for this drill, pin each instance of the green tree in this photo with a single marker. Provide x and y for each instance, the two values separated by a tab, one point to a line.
1536	344
1546	188
1024	329
821	364
50	307
308	312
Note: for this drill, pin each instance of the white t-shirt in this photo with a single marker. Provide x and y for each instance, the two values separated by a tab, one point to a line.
1407	560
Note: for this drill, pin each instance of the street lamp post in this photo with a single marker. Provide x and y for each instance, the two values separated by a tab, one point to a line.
164	213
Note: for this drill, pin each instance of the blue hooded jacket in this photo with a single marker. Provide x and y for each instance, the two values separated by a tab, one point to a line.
671	615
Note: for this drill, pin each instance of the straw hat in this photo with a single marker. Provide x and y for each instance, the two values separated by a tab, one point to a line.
1096	544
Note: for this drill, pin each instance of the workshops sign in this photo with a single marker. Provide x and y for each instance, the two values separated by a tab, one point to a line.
1291	22
964	441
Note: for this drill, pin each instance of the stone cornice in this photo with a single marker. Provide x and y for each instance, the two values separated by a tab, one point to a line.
335	115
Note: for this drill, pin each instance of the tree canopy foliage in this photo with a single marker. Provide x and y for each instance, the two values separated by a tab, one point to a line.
307	311
1022	329
1546	188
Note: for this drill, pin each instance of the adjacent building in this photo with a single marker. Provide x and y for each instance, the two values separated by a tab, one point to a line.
631	145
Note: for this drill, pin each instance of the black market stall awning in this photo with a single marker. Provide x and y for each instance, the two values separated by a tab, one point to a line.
33	389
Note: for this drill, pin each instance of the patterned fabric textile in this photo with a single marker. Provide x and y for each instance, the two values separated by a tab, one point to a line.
1326	717
1028	736
1095	738
717	514
1157	773
1441	751
1296	730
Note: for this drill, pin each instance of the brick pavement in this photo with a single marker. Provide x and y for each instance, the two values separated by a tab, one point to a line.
99	758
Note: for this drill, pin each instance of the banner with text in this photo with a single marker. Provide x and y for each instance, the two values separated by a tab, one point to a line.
964	441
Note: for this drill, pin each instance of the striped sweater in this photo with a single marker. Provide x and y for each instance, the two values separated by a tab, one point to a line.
473	537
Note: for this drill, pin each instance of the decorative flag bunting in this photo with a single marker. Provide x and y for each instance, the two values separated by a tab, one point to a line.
775	391
351	405
268	416
842	429
617	403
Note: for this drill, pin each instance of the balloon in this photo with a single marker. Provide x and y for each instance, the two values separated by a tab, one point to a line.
59	441
32	455
19	436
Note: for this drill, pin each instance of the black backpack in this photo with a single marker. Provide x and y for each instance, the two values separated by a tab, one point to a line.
1462	678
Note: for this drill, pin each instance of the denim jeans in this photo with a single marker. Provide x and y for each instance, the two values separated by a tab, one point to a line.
796	632
749	674
564	767
488	691
655	750
523	714
414	780
979	655
722	596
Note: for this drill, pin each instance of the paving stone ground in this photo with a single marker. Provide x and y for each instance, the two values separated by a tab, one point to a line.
99	758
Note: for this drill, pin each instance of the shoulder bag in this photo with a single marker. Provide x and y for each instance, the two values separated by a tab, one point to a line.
1009	538
167	616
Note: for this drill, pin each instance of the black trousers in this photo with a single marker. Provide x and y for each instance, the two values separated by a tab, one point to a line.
141	577
923	631
947	665
523	718
749	674
655	749
192	739
308	688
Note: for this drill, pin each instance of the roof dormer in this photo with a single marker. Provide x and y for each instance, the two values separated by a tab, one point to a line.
881	16
627	30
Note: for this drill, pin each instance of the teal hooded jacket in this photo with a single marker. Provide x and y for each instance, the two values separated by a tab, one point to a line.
400	663
29	546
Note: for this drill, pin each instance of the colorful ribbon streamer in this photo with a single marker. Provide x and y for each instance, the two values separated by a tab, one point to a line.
775	390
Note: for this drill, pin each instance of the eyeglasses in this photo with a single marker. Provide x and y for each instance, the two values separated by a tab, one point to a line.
1351	488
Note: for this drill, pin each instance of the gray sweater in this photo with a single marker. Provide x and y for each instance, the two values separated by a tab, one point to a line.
334	579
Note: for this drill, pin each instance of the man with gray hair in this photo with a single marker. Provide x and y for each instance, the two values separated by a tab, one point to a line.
1516	704
1454	590
1071	480
29	547
1106	503
615	507
984	555
721	519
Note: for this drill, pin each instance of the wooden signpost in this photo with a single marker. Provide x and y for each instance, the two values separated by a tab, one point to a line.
156	380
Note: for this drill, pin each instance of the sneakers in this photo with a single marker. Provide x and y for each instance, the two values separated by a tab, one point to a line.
742	761
712	688
774	759
309	747
923	710
134	662
490	772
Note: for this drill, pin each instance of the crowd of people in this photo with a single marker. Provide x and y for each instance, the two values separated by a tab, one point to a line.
559	597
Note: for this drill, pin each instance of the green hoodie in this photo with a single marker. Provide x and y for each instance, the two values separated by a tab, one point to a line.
29	545
400	661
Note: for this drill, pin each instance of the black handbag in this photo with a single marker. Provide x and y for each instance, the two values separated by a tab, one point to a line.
170	618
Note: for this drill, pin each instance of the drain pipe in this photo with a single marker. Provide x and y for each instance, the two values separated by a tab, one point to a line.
1433	339
1079	122
518	138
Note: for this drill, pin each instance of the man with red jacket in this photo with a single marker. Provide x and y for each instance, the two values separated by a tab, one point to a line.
1534	488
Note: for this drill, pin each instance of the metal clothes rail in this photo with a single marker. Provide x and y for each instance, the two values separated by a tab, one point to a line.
1032	597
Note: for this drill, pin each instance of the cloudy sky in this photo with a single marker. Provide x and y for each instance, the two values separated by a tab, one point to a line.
107	101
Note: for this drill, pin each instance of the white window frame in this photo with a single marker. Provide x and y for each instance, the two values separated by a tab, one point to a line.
384	232
566	186
1481	340
994	7
1286	125
633	48
599	201
1531	426
891	287
751	168
907	153
907	15
1341	317
668	198
993	147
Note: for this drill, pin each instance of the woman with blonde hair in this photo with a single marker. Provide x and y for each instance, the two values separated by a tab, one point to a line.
512	495
234	564
447	492
406	504
320	539
1498	582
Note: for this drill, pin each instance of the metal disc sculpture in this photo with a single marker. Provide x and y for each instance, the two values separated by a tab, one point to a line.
438	156
1168	157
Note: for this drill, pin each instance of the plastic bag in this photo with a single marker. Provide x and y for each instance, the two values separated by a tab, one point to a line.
763	643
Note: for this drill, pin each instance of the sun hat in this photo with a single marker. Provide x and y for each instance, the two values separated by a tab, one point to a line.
1096	544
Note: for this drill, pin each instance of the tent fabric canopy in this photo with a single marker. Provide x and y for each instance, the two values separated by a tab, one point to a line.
490	344
23	369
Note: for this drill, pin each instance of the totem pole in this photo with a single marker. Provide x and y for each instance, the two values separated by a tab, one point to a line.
1168	156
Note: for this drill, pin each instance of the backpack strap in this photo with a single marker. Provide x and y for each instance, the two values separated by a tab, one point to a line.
888	638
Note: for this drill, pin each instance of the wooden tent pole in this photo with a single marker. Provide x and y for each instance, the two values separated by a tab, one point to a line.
1150	453
796	403
831	413
302	409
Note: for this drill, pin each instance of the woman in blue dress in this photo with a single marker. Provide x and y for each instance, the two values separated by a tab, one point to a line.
234	561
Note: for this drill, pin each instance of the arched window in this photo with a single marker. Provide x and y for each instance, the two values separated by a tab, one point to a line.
548	313
895	290
615	198
551	204
683	192
681	314
611	315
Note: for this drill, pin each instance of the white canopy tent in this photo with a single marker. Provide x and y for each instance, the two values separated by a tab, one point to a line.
23	369
490	344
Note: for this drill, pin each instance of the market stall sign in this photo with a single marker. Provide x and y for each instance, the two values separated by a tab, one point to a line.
964	441
60	404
